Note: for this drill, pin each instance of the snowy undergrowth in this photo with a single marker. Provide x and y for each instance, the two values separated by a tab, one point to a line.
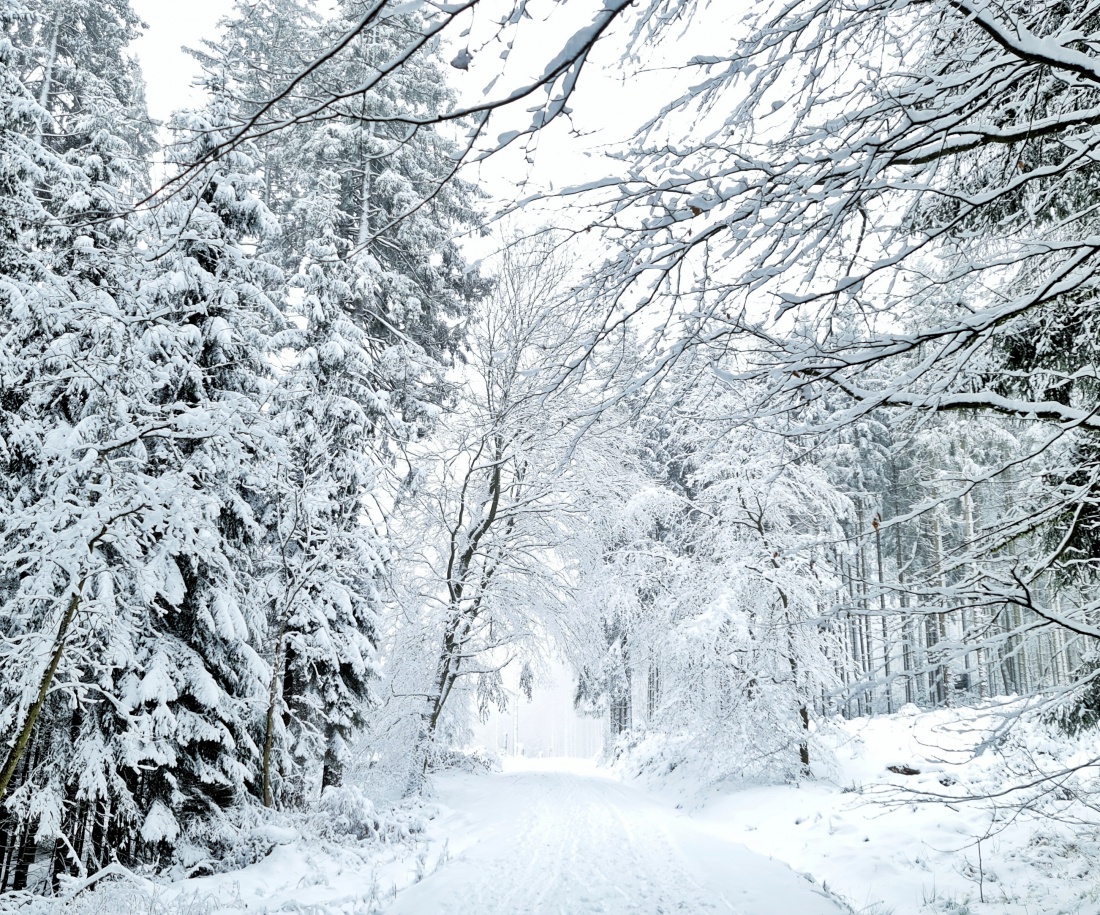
910	820
346	856
350	854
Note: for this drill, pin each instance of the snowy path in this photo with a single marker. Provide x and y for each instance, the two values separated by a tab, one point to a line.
566	840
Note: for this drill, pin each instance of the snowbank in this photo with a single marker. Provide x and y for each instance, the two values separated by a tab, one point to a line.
937	812
346	857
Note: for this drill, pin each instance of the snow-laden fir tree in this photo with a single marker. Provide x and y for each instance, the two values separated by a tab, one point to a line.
381	188
78	512
73	58
262	47
196	695
325	559
379	291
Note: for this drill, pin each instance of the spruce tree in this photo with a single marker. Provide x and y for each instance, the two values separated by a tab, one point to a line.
78	515
379	290
196	694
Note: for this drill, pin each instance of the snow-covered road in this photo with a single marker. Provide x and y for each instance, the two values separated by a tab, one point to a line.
565	840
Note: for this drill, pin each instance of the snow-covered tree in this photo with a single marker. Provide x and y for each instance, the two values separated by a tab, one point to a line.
72	57
376	309
919	207
383	196
489	524
717	586
79	515
326	558
196	693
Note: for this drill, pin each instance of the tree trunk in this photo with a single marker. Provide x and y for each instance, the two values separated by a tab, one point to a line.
273	695
24	736
47	76
27	849
886	646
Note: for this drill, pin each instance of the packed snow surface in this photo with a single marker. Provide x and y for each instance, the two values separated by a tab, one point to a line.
559	836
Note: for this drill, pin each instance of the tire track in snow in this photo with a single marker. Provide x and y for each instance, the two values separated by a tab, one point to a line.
578	843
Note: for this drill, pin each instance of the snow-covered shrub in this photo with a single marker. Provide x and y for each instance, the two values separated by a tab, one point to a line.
232	840
117	894
347	812
476	760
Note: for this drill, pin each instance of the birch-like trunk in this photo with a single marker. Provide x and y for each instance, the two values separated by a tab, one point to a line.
47	75
24	735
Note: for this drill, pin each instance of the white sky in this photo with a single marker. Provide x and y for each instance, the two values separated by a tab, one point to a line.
607	105
168	70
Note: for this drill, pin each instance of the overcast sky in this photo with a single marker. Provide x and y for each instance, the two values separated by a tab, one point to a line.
173	24
613	99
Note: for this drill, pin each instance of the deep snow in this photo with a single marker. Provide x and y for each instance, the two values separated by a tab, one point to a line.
952	833
564	836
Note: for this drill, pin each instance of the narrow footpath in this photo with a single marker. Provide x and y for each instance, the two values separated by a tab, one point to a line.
557	838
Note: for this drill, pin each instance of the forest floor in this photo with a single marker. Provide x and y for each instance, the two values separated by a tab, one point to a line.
909	818
906	820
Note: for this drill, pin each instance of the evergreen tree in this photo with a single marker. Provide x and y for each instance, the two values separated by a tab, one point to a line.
78	515
73	59
326	558
376	310
195	694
